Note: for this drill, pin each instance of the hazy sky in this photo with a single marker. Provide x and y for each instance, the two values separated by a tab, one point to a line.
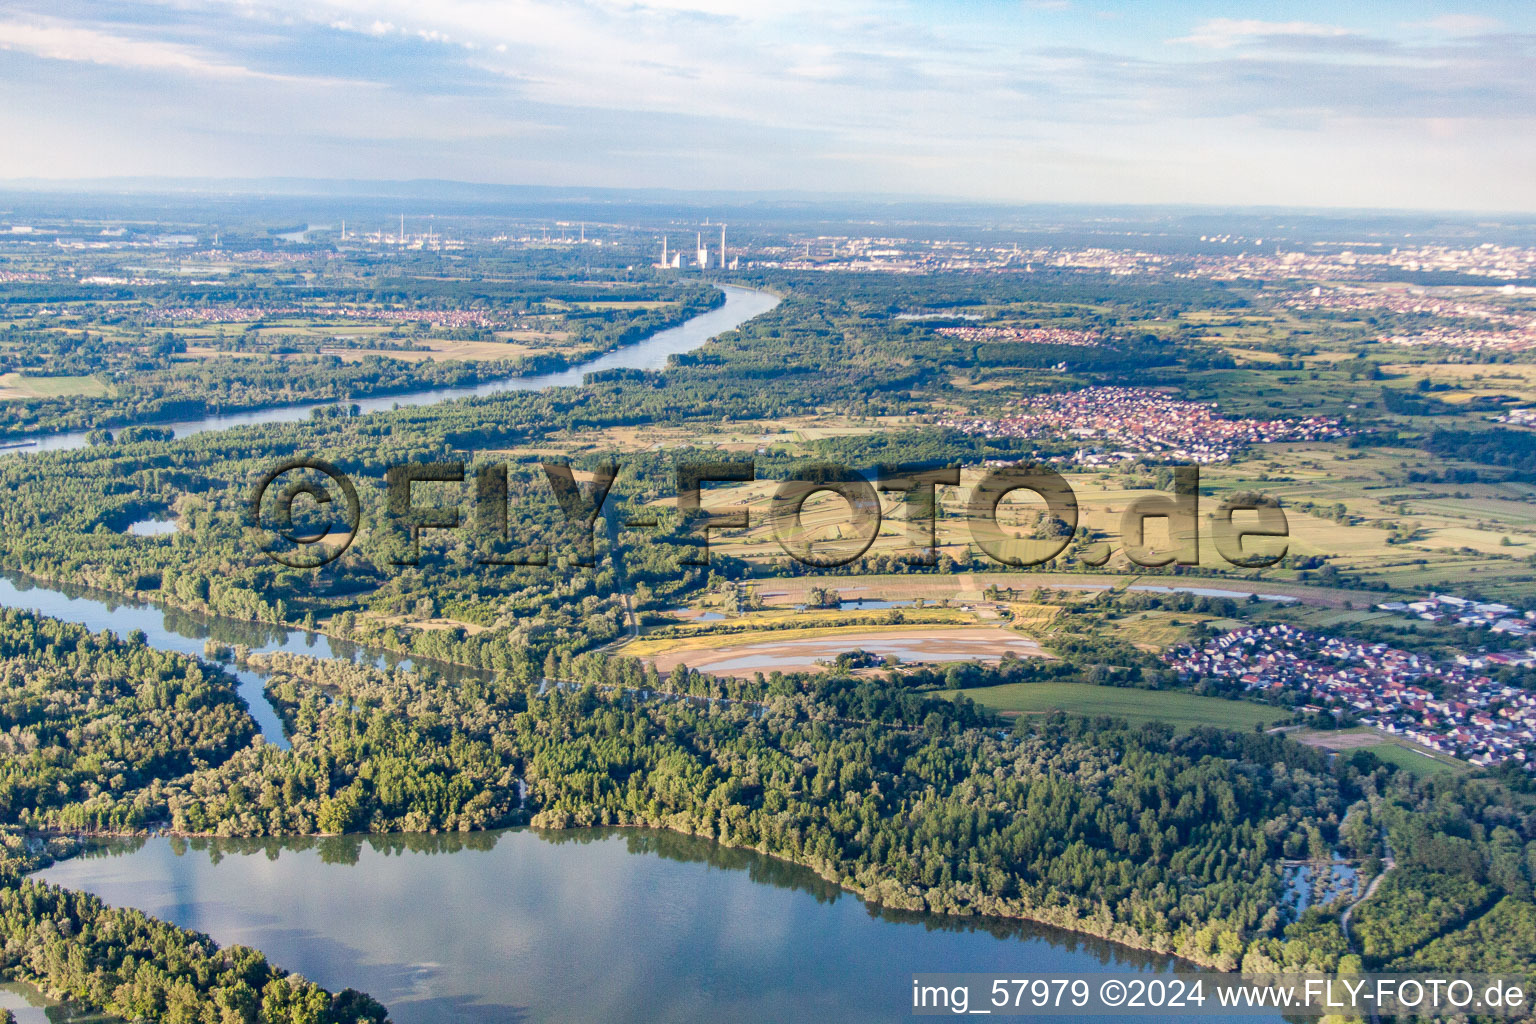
1404	103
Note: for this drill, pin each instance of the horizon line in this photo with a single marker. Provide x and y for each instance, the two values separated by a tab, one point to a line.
166	185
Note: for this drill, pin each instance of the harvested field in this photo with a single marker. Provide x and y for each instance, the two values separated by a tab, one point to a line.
437	348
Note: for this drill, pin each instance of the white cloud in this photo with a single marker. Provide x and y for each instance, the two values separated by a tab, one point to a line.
1225	33
66	42
853	96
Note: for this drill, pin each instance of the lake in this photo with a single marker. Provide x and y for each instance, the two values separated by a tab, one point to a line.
151	527
574	926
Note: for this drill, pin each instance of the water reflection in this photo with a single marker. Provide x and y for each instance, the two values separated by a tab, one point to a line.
580	925
29	1005
184	632
151	527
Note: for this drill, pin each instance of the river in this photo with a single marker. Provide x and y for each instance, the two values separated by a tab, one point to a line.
185	633
741	305
169	629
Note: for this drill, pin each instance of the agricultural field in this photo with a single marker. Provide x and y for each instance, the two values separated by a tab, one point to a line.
1060	586
14	386
1349	509
1182	710
1394	750
442	348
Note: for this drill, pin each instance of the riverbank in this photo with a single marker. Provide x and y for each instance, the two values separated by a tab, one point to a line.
649	353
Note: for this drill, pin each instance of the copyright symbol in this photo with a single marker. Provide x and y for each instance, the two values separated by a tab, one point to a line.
1112	992
315	537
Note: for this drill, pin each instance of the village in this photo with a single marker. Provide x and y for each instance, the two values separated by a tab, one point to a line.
1491	615
1125	423
228	314
1450	707
1518	417
1515	340
1246	259
1025	335
1409	302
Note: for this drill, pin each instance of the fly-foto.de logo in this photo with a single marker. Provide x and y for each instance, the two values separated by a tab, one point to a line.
305	512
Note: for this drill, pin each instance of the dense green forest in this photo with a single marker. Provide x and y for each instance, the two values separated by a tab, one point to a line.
88	718
92	726
1162	841
132	966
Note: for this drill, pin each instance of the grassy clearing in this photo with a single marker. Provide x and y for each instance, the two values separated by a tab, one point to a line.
1416	761
1156	630
14	386
1182	710
1393	750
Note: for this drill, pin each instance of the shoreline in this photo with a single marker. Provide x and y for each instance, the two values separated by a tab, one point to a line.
1129	940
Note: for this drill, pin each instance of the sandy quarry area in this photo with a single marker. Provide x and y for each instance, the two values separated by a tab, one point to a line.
913	645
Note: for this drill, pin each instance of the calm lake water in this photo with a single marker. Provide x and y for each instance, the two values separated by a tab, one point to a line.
152	527
577	926
741	304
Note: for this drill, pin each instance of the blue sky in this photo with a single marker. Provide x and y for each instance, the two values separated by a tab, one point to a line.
1404	104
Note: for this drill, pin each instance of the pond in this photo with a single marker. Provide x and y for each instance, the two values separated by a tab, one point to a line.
150	527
